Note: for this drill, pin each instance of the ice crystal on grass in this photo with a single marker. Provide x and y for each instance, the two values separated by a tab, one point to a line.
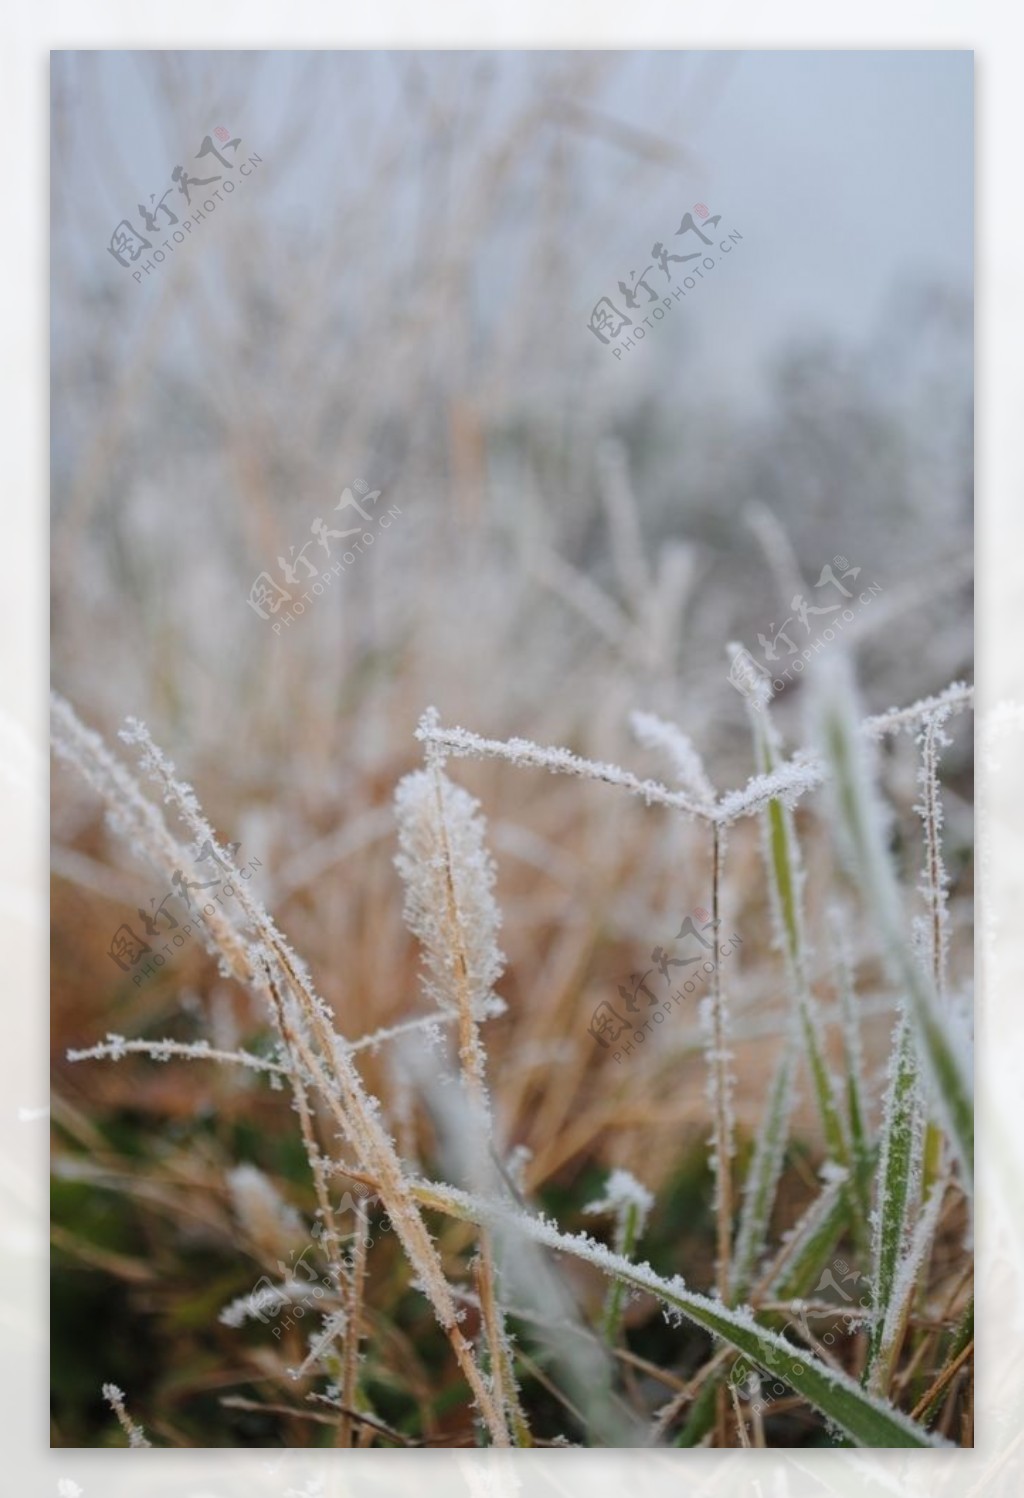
902	1289
622	1192
656	733
863	825
257	954
522	752
450	906
630	1202
449	890
269	1220
115	1398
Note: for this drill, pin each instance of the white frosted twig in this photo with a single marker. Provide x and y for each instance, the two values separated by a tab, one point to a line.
334	1324
429	1022
656	733
269	1297
115	1398
787	782
460	741
955	698
116	1046
137	820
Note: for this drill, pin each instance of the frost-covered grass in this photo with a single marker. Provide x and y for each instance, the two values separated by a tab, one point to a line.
572	551
549	1333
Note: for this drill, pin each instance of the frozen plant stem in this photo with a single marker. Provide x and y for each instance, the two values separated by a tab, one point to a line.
449	876
852	1061
785	880
950	1084
261	957
898	1179
867	1420
115	1398
933	887
353	1317
630	1203
721	1087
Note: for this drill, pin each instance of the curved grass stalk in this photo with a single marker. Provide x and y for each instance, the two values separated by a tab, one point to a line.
807	1246
866	1420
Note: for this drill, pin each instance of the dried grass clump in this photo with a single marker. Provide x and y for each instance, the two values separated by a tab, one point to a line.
896	1191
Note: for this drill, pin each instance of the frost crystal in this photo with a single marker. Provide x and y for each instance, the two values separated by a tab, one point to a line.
449	881
621	1190
268	1219
656	733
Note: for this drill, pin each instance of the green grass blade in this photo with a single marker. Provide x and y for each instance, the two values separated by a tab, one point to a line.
860	1147
843	1403
786	882
961	1337
898	1174
854	796
763	1177
907	1278
809	1244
